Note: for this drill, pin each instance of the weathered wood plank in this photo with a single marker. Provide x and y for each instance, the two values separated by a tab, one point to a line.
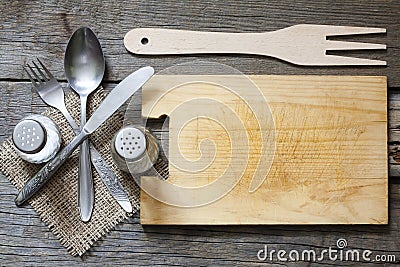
17	101
27	241
29	29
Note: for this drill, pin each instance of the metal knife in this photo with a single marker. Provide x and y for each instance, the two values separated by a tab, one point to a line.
118	96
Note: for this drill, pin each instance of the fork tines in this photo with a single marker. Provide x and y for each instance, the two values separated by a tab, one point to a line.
345	45
43	78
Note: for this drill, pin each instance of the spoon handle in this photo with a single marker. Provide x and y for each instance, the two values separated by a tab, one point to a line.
85	183
105	172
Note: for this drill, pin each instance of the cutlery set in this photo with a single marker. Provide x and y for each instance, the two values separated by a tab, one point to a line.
84	68
110	104
51	92
84	65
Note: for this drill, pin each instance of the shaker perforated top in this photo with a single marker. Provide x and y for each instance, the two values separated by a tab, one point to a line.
130	143
29	136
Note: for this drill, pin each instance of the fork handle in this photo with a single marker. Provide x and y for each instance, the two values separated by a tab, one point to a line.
155	41
69	118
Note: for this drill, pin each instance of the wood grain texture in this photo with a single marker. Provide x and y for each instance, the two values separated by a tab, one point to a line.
301	44
25	241
321	149
30	29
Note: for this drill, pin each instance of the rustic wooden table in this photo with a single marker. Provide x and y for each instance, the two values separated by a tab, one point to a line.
31	29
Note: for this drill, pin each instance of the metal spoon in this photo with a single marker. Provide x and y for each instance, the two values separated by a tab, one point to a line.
84	68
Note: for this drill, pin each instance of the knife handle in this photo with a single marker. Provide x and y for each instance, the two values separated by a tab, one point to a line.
48	170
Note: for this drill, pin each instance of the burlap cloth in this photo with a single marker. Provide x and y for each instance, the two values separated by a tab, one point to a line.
56	202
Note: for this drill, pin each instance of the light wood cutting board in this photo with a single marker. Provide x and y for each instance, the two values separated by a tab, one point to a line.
315	145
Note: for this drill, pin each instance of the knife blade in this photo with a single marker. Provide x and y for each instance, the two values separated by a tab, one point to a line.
118	96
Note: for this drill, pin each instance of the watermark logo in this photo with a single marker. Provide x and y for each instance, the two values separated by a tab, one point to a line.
341	243
339	253
236	118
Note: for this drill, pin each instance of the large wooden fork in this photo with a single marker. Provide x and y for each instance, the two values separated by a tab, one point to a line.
303	44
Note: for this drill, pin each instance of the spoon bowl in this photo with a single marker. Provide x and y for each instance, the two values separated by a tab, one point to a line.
84	62
84	67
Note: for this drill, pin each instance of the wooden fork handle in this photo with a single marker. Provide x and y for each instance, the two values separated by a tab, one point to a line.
154	41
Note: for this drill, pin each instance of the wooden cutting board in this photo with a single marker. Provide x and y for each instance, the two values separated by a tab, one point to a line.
269	150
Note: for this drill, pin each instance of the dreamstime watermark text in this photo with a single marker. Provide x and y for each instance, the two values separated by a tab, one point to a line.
338	253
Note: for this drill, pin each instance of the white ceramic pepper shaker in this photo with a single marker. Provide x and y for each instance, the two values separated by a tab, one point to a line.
134	149
36	139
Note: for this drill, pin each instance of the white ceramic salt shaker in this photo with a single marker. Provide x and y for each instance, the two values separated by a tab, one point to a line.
36	139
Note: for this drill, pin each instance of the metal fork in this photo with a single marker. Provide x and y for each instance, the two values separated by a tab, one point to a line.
51	92
303	44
